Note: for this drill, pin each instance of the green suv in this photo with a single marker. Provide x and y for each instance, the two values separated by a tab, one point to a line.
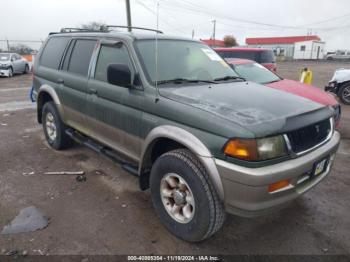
172	112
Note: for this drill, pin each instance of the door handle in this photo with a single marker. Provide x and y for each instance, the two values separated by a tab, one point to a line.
93	91
60	81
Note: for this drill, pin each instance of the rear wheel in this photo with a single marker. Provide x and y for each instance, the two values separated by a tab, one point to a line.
184	197
54	128
26	69
344	93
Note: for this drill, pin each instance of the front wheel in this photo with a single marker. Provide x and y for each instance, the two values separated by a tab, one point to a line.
54	128
184	197
344	94
10	72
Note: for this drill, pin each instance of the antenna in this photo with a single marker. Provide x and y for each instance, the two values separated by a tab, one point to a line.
156	54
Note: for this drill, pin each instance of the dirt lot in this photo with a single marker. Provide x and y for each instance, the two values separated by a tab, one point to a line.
108	214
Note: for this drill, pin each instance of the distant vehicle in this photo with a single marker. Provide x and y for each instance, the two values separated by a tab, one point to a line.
254	72
338	55
11	63
340	85
262	56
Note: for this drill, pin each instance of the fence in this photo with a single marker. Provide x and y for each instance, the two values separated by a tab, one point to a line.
23	47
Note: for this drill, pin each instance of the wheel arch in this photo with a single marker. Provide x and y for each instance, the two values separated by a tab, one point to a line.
167	138
46	94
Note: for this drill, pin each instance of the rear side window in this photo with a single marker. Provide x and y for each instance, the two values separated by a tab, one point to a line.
81	55
53	52
111	55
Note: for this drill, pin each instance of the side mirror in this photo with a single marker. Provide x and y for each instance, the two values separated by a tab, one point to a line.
119	75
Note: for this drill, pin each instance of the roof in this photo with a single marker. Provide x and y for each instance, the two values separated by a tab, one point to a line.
281	40
243	49
124	35
239	61
213	42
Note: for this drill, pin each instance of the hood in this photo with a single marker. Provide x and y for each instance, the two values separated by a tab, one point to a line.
341	75
259	109
307	91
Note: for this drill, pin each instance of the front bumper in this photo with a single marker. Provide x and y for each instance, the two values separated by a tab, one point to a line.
331	87
4	72
246	189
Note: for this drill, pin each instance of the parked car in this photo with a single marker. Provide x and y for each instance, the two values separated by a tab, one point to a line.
203	140
339	55
340	85
253	71
262	56
11	63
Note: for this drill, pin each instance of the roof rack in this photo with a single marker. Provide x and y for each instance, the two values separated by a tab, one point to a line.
73	30
106	28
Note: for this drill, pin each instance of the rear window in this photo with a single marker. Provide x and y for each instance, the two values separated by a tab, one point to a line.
80	59
265	56
53	52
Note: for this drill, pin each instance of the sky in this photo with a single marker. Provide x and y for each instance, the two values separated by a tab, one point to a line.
34	19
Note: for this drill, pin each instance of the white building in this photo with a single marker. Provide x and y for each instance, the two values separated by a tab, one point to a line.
292	47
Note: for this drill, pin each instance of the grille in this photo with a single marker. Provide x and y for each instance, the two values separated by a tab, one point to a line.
308	137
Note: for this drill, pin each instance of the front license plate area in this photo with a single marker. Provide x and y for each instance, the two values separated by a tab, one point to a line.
320	167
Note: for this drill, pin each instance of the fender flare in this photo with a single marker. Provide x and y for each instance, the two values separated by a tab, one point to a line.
51	91
191	142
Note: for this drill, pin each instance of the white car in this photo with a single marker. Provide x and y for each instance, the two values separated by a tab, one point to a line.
340	85
338	55
11	63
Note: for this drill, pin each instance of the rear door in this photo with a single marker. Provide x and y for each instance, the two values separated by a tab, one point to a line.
73	80
16	63
114	112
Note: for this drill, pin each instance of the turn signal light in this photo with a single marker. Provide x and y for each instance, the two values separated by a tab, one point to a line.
242	149
279	185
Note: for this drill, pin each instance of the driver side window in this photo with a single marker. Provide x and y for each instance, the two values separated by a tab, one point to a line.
112	55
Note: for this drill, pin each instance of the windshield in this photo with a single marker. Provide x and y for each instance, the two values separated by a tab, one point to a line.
256	73
179	59
4	57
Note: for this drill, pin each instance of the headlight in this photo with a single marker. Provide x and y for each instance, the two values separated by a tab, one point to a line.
256	149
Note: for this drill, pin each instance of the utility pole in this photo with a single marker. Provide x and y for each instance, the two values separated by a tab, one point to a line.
192	33
128	14
8	45
214	31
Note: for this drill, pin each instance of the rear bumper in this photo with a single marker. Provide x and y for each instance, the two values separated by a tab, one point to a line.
4	72
246	189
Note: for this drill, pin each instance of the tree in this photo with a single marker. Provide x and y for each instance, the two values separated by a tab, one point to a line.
230	40
21	49
93	26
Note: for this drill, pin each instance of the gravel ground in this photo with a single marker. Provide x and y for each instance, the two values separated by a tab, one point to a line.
108	214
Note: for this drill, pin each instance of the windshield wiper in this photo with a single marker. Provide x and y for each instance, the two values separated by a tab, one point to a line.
226	78
181	80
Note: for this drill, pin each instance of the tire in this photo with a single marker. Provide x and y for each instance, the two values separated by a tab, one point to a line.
26	69
10	72
54	128
344	93
205	214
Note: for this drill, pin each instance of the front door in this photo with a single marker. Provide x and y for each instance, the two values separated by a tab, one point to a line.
115	114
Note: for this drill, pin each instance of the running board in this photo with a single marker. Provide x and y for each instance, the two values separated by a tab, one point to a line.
100	149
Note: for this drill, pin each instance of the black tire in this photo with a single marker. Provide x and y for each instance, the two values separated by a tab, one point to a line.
209	214
62	140
343	90
10	72
26	69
